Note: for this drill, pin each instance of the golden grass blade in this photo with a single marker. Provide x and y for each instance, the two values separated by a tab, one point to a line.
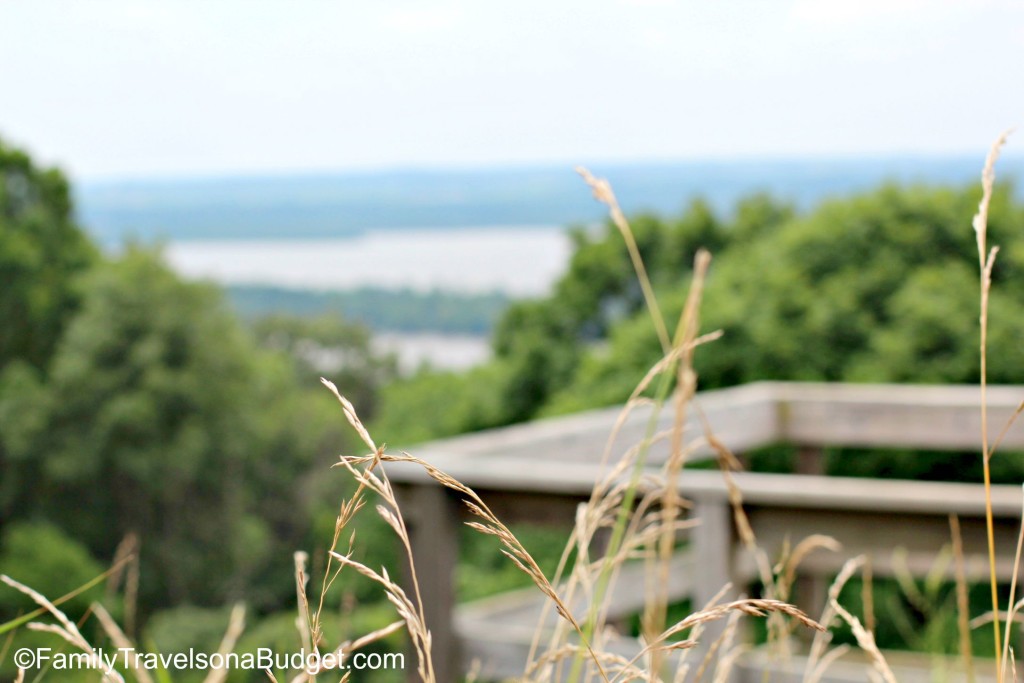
125	566
656	608
602	190
727	662
986	261
351	646
749	606
866	641
1013	591
513	549
374	636
867	594
73	638
236	625
302	601
1006	428
405	608
822	638
73	635
988	178
350	414
799	554
962	604
830	657
9	626
119	639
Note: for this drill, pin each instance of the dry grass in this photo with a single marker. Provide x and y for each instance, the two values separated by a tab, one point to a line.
65	629
986	261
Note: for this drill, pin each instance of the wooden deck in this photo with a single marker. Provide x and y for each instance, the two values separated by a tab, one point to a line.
540	471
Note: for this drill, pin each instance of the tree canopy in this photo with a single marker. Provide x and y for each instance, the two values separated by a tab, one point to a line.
42	251
880	287
132	401
154	421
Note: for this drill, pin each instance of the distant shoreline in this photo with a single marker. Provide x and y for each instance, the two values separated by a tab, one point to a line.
359	233
332	205
344	174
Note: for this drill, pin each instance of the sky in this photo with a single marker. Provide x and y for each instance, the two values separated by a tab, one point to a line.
141	88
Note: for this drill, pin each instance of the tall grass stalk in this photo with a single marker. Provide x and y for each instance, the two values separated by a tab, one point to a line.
686	330
986	261
1012	608
962	600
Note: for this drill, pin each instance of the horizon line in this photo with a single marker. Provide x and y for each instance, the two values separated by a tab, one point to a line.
441	168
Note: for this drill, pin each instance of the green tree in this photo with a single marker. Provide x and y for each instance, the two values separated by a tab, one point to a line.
328	345
161	418
878	287
40	555
41	253
543	342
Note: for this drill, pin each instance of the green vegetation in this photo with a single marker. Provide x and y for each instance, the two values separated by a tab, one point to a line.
41	253
41	555
156	420
379	309
135	404
874	288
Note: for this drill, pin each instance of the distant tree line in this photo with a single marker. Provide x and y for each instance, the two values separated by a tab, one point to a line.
402	310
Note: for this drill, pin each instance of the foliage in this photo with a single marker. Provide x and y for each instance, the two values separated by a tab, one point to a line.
41	555
186	626
878	287
483	572
41	253
161	418
433	404
329	345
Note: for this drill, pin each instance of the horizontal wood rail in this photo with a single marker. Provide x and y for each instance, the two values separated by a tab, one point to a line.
540	471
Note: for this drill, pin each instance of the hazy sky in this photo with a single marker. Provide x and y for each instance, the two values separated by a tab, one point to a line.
141	87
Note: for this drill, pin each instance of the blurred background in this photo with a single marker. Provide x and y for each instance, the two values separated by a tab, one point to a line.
206	206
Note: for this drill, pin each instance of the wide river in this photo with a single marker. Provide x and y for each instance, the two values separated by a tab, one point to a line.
521	261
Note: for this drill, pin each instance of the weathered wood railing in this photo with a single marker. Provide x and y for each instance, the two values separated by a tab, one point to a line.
541	471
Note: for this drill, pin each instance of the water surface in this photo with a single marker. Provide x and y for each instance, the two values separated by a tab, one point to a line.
522	261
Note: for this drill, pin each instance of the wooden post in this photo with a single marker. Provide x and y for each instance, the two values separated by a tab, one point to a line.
810	460
432	516
809	591
712	543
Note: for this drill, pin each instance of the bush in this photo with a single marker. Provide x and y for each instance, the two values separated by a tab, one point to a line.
43	557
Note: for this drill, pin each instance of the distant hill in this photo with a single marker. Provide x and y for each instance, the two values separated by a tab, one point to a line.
339	204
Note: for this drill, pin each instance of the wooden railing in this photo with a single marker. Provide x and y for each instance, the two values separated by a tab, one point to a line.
541	471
